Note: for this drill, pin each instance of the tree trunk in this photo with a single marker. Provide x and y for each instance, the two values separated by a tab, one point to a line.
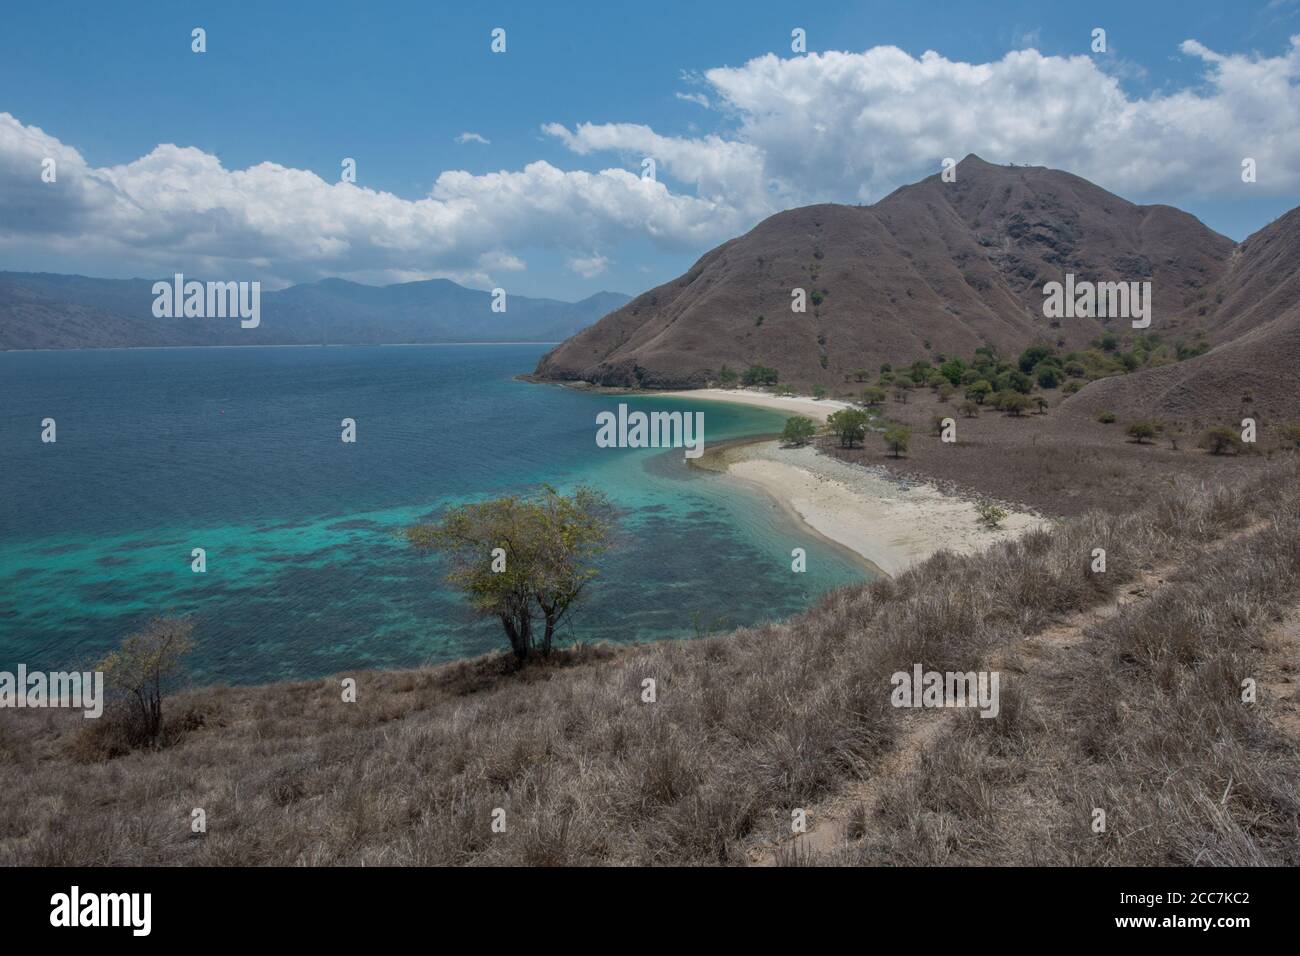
550	632
518	632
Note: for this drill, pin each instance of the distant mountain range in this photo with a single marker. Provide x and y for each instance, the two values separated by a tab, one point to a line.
49	311
945	267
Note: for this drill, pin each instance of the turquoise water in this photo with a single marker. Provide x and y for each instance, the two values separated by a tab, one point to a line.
238	451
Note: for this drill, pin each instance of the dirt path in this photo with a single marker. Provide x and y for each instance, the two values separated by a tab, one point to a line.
1279	682
831	823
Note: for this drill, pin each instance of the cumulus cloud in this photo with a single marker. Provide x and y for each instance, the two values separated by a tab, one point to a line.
836	125
830	126
467	137
178	208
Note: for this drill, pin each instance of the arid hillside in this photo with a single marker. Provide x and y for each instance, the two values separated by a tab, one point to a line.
934	268
1121	691
1254	372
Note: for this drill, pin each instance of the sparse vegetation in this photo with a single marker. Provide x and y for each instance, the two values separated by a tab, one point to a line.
409	773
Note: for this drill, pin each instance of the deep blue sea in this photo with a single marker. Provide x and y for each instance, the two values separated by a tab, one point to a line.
238	451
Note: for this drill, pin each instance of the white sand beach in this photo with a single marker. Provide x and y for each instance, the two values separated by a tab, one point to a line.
816	409
890	522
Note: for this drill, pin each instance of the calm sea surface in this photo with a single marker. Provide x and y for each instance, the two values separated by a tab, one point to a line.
238	451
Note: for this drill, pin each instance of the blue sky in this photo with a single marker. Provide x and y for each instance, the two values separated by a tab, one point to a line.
394	84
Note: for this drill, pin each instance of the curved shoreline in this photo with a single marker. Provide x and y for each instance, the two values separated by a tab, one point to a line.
718	458
888	523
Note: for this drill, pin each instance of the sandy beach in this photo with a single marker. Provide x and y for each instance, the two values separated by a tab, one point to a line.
816	409
891	523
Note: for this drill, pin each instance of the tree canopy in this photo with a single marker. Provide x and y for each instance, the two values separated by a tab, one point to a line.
850	424
522	560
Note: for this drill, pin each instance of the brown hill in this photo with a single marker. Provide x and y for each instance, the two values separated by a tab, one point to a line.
1255	307
933	268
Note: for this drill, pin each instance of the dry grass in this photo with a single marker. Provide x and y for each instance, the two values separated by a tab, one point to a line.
746	727
1055	464
1144	718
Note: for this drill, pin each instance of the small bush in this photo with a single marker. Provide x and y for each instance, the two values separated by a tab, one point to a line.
1106	418
1142	432
990	515
1221	440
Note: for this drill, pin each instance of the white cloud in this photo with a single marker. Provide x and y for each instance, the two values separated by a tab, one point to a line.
178	208
473	138
699	99
837	127
842	125
589	266
828	126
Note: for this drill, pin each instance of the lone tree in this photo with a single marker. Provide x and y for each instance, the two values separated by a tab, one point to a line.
896	440
142	671
522	560
1142	432
850	424
798	430
872	395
